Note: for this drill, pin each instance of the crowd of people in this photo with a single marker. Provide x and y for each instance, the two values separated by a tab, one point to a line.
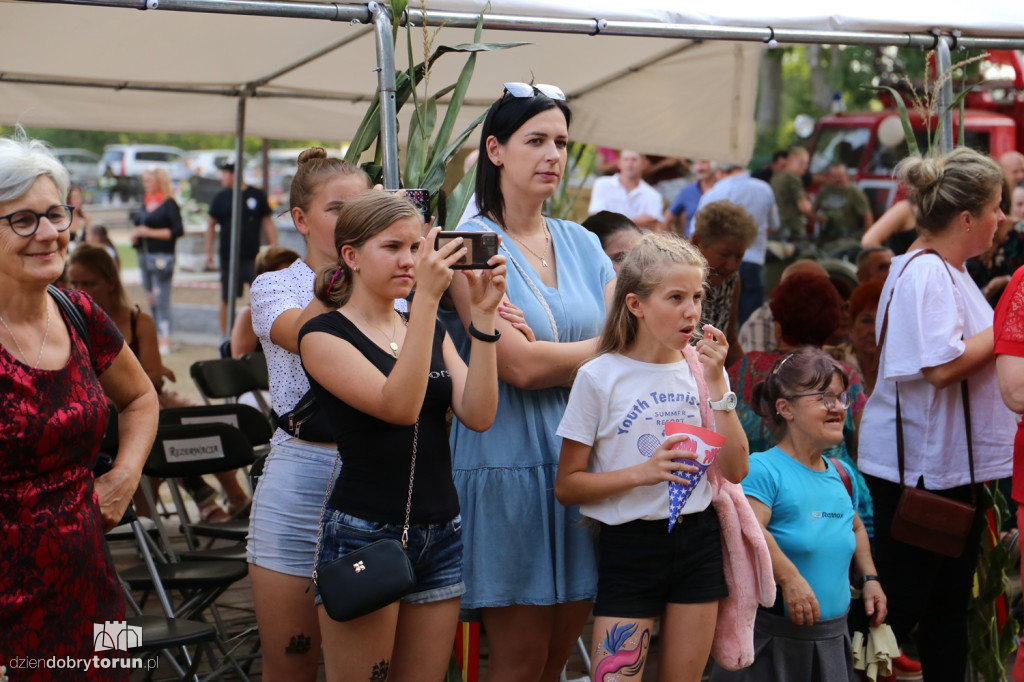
546	436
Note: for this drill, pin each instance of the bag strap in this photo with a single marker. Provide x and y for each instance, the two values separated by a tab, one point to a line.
843	474
963	384
73	313
330	485
522	273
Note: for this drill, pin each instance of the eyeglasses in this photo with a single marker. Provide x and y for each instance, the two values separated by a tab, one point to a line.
25	223
521	90
830	398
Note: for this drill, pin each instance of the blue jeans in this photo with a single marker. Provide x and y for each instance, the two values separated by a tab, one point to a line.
157	269
435	551
751	290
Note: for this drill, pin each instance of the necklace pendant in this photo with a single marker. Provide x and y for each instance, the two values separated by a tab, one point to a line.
544	262
394	348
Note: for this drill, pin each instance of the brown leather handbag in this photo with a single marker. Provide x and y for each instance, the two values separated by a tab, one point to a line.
925	519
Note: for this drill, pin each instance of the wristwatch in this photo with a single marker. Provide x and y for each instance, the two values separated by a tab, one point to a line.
726	404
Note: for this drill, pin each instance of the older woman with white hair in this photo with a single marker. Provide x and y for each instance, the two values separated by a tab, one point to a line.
61	358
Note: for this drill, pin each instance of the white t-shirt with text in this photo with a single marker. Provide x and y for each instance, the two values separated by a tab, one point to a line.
619	406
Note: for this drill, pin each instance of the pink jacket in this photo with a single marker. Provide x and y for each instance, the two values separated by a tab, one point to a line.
747	563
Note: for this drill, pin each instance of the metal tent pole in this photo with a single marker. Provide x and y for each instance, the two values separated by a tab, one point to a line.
386	87
598	26
943	63
236	213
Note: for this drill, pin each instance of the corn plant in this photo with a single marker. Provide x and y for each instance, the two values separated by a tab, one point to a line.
990	644
429	146
927	106
579	167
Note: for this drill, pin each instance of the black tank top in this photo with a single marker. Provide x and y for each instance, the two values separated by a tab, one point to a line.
375	454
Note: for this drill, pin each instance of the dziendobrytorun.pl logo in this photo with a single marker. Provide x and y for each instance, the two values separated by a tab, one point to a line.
108	636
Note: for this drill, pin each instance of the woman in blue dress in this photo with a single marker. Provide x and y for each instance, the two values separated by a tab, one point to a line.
529	563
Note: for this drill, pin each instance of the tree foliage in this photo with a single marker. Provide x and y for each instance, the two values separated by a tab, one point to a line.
853	71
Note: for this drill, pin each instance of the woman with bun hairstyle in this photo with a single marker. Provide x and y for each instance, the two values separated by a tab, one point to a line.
386	382
530	565
285	512
939	333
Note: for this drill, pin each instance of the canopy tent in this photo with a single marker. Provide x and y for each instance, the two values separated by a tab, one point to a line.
181	72
93	65
306	69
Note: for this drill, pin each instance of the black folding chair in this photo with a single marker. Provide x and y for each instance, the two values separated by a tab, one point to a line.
175	631
196	449
257	363
228	379
246	419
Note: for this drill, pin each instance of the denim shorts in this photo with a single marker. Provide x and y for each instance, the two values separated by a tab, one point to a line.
287	504
642	567
435	551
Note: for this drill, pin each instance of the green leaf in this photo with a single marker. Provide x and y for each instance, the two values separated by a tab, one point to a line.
458	96
421	127
397	10
901	106
375	171
366	133
418	131
458	200
959	103
476	47
434	176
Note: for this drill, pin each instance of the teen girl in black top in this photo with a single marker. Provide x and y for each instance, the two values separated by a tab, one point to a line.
387	381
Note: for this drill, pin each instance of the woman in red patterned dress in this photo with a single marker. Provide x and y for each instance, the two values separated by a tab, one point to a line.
56	576
1008	331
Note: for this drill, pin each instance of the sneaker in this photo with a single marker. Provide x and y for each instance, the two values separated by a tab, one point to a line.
906	668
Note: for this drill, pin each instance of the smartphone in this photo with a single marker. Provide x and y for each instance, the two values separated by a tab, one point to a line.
481	246
420	198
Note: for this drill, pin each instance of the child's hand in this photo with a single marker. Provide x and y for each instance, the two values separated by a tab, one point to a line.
712	350
662	465
434	267
487	287
511	313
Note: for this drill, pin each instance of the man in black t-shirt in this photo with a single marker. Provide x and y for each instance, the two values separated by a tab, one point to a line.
255	213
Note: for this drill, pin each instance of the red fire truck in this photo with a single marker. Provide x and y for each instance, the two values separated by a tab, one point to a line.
870	143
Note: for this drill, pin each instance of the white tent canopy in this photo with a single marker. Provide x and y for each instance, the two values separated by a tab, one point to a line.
105	67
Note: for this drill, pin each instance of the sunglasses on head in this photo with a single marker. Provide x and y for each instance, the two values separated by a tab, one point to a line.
520	90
